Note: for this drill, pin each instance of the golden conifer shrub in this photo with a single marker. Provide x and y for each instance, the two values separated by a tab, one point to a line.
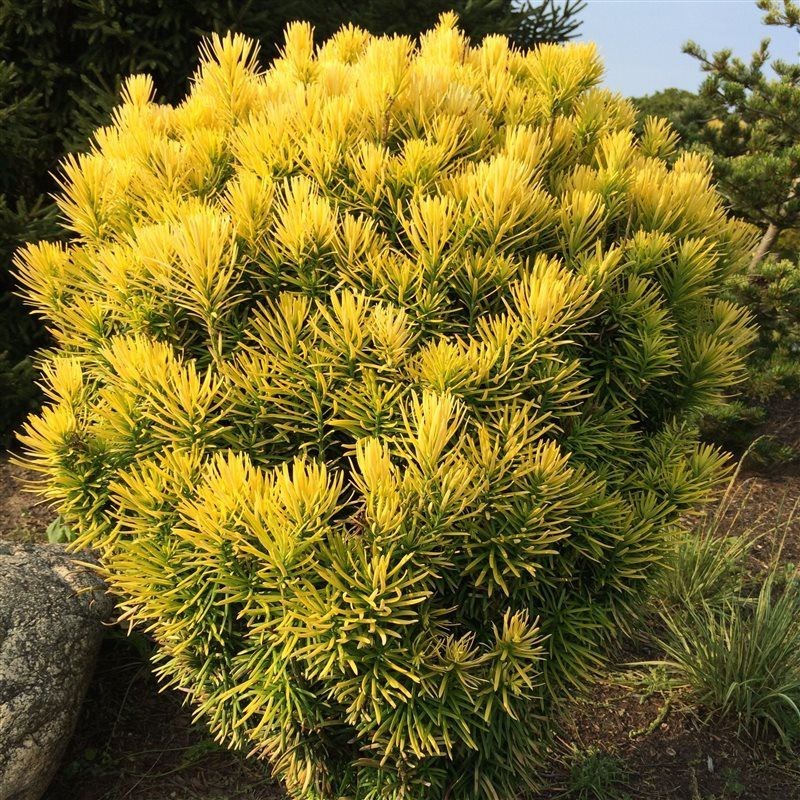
372	387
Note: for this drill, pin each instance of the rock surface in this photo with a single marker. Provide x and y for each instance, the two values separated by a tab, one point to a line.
51	615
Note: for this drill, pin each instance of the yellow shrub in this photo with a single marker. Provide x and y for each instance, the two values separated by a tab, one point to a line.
371	386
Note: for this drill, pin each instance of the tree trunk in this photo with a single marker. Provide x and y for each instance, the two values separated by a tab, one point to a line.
767	240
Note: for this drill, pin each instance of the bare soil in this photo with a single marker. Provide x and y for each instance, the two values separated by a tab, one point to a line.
675	755
766	508
133	742
23	518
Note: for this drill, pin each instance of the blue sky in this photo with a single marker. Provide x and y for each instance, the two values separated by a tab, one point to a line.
640	40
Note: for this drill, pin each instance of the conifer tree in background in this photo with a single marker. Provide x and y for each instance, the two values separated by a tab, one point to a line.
60	67
23	215
756	141
688	112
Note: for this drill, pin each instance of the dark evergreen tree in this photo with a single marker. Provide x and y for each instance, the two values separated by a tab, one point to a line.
24	214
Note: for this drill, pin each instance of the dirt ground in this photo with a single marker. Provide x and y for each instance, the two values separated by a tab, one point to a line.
22	517
134	742
669	753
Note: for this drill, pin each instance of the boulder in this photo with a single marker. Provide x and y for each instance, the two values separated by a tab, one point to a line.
52	610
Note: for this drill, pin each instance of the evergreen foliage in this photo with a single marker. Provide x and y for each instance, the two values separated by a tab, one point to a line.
23	218
771	292
60	68
74	52
756	139
746	118
371	388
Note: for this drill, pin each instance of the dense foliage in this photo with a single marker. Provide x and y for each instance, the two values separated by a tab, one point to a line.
23	217
60	68
370	391
70	54
770	291
746	118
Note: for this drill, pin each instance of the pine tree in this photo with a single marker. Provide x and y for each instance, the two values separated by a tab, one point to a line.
23	216
757	140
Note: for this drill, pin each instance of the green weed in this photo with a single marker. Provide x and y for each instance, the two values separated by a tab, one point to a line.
742	660
595	775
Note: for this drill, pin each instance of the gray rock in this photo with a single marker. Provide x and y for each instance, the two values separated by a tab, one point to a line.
51	615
